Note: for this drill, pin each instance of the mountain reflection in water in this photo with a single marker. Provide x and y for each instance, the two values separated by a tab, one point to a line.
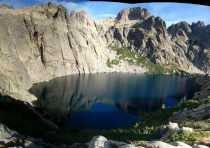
110	100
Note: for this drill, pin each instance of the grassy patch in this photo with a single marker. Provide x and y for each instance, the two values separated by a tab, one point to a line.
189	138
200	125
112	62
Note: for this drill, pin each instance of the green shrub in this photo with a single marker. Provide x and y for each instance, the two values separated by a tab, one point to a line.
115	62
134	58
108	63
112	62
190	104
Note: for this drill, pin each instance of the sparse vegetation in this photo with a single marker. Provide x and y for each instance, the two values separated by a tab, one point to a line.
134	58
189	138
112	62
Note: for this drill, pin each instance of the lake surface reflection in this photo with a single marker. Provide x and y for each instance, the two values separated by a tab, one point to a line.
110	100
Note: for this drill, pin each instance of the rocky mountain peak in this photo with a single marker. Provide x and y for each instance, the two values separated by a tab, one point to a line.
159	22
81	14
180	29
81	17
198	25
136	13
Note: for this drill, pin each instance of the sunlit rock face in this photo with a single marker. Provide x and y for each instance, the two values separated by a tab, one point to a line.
140	31
136	13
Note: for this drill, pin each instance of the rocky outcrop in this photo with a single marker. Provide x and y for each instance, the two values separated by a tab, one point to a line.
135	13
194	41
103	142
199	113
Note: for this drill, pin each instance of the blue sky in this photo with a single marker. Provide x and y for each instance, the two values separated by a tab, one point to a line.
170	12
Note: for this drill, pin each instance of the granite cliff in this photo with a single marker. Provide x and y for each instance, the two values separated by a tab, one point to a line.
43	42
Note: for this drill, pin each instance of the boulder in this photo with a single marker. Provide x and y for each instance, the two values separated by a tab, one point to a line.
160	144
182	144
129	146
199	146
99	142
5	132
187	129
173	126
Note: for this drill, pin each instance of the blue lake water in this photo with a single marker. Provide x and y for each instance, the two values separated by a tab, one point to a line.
115	100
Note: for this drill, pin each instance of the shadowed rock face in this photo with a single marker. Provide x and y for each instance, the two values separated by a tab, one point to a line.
23	118
194	39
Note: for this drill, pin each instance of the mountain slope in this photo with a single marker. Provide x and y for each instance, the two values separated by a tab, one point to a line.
148	36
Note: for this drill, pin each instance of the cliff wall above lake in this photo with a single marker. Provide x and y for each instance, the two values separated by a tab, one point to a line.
43	42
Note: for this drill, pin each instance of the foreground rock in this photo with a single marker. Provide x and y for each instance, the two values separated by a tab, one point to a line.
10	138
102	142
5	132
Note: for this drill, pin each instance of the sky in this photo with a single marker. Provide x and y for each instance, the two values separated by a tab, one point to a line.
170	12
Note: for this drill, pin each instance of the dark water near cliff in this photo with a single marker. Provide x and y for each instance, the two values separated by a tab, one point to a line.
110	100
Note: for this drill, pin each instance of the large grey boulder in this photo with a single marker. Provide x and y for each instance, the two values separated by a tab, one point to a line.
182	144
173	126
103	142
129	146
200	146
99	142
160	144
